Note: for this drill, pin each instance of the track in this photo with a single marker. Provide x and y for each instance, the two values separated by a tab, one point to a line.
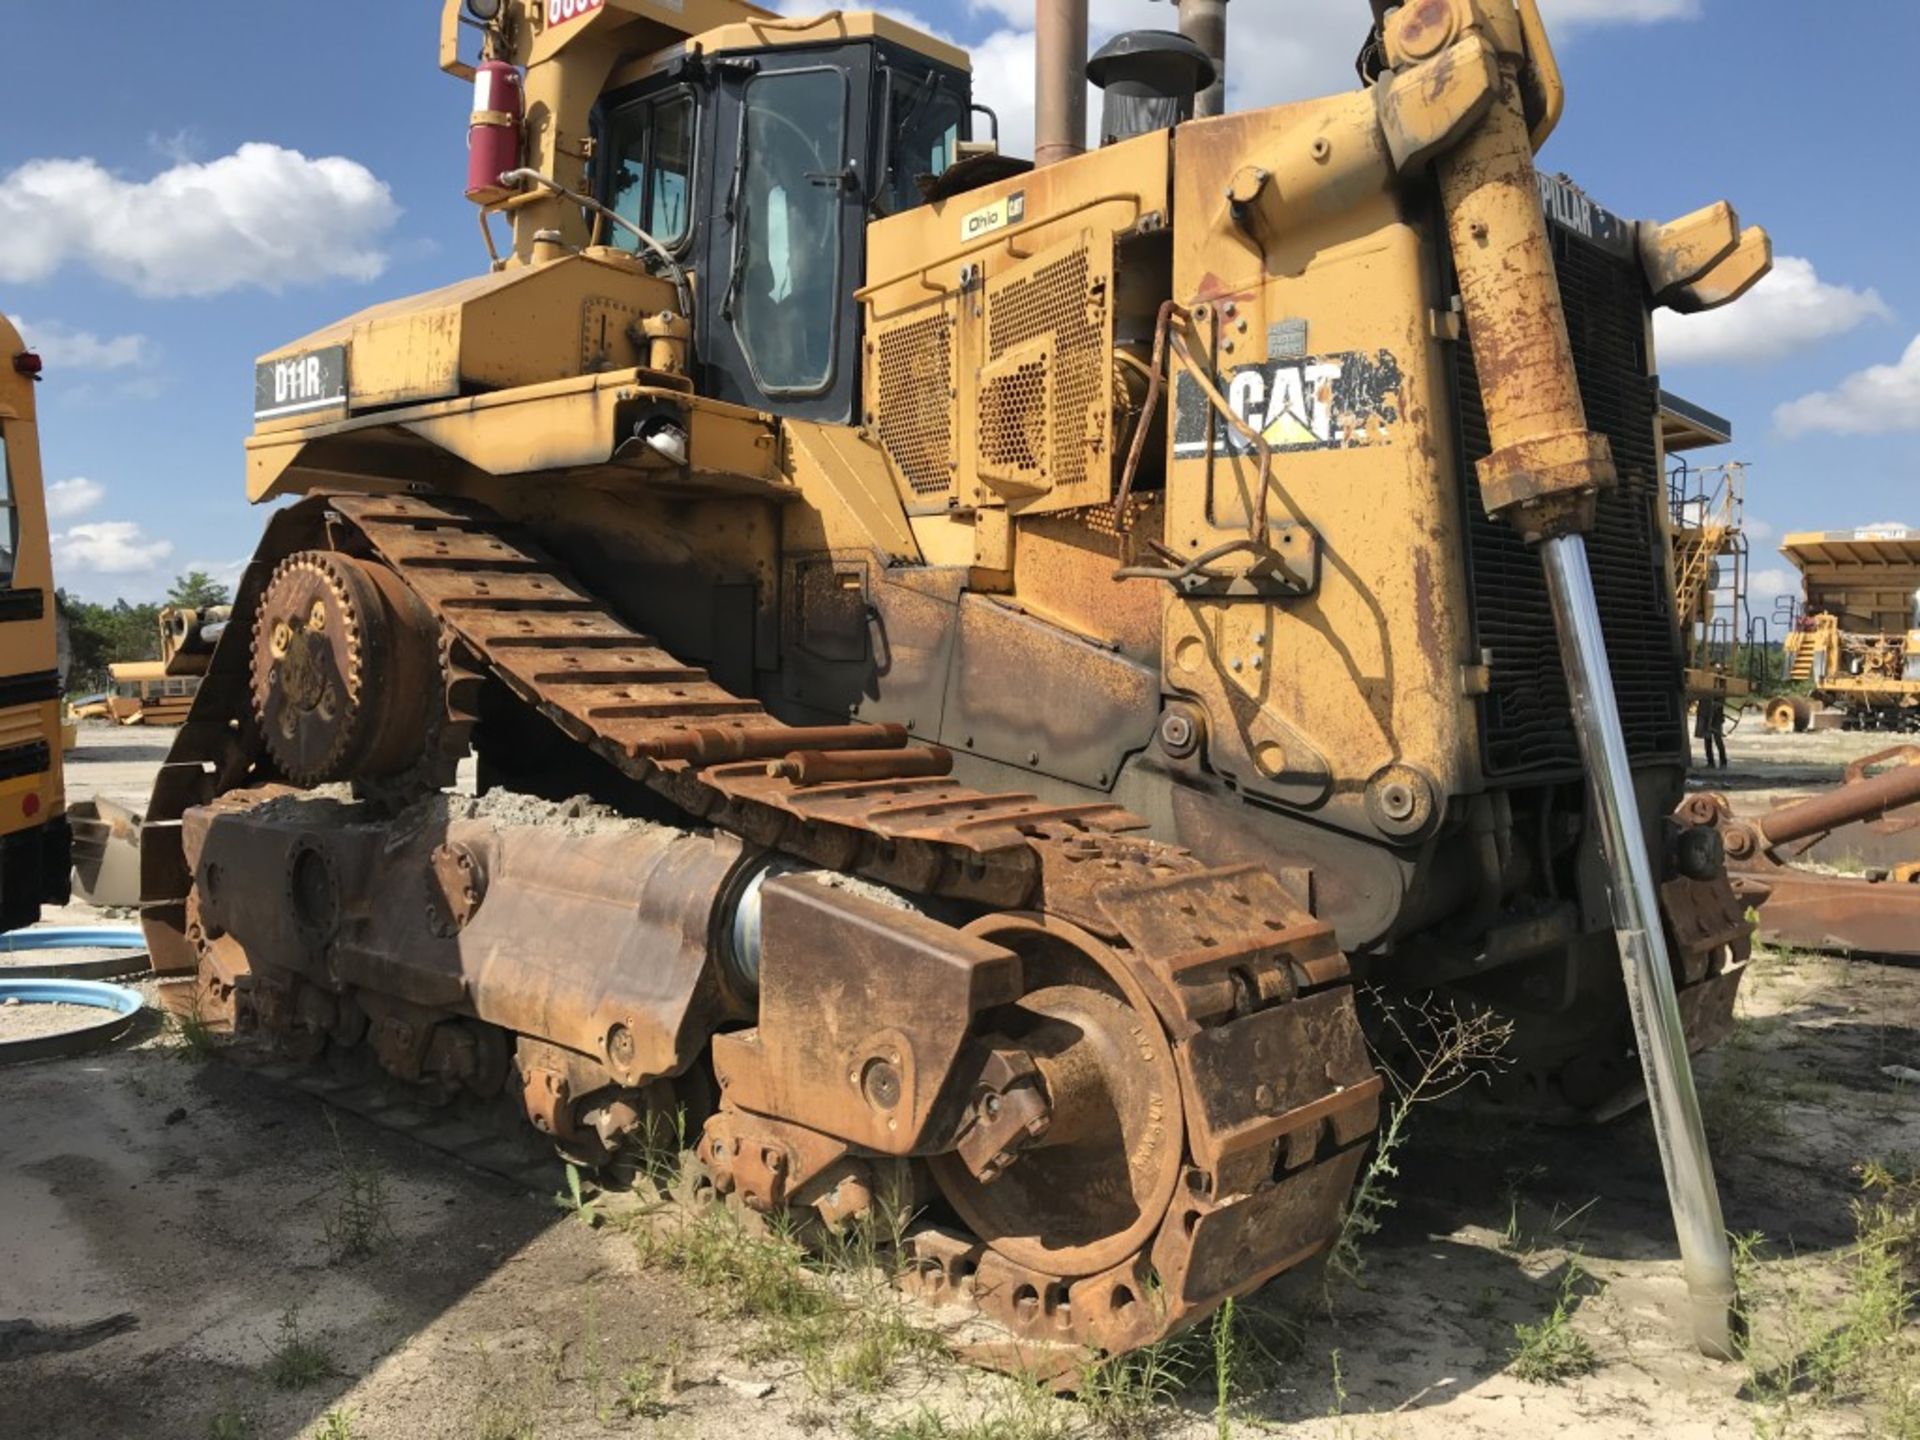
1275	1095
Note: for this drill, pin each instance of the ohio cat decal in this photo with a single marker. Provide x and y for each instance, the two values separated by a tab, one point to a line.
1309	402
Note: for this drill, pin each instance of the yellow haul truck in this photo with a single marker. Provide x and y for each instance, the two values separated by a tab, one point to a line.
35	847
1156	588
1855	642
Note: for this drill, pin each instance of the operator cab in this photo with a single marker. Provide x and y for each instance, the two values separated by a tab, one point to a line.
759	168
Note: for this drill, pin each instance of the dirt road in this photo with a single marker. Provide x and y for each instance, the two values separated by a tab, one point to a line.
176	1261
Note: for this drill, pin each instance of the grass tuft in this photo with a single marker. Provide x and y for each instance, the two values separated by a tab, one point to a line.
361	1221
1551	1351
297	1362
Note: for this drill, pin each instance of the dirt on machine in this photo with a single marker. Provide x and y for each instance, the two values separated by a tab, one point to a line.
1163	592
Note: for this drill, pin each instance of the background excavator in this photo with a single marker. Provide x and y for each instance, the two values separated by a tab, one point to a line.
1032	638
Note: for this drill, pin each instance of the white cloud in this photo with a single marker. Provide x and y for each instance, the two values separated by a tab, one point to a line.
263	217
1791	308
1879	400
108	547
65	349
1616	12
67	499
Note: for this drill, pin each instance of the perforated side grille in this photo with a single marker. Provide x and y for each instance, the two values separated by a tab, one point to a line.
1056	301
915	402
1527	727
1013	423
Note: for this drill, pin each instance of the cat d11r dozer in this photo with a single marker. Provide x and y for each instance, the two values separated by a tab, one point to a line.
1032	639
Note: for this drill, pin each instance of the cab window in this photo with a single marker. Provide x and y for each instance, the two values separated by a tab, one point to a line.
786	301
922	138
650	170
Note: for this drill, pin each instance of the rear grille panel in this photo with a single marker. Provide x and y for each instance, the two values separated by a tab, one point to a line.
1526	729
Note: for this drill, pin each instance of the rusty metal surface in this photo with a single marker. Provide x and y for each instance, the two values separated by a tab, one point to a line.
863	1012
437	950
1877	912
310	890
1842	913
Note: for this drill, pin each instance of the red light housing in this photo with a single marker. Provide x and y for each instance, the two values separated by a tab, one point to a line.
28	363
30	806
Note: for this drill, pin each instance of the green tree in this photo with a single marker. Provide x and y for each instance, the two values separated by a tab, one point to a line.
196	590
106	635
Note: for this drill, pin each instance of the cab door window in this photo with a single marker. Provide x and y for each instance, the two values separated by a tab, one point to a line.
786	295
650	169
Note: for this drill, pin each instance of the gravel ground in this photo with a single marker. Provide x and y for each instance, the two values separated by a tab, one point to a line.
170	1219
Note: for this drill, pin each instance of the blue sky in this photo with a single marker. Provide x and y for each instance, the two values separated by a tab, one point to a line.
175	199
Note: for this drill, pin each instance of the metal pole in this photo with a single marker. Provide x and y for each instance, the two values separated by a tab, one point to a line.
1705	1260
1060	80
1205	23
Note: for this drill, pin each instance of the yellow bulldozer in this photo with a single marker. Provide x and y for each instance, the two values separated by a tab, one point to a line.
968	664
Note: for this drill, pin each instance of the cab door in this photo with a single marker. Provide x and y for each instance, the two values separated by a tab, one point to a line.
787	246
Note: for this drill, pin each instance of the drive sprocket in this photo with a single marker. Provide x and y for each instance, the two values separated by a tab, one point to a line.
345	670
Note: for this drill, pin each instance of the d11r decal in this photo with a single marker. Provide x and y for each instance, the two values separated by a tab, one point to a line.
1313	402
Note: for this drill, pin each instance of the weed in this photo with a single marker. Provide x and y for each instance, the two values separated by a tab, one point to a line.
1514	1188
846	1329
873	1340
1552	1350
1337	1405
1437	1050
576	1201
645	1391
296	1361
659	1152
229	1425
1223	1369
1123	1395
503	1419
1740	1107
335	1425
197	1038
1857	1349
360	1223
1021	1412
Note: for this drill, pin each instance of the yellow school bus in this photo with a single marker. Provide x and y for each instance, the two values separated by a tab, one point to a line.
36	850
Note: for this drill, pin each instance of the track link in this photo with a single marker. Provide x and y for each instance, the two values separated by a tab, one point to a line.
1279	1096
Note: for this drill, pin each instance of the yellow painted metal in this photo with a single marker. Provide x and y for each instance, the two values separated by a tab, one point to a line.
850	503
570	425
518	327
1366	671
989	364
834	25
1861	597
1683	250
28	647
1745	267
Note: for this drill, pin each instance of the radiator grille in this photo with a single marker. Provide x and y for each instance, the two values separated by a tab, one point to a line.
1526	729
1056	302
915	402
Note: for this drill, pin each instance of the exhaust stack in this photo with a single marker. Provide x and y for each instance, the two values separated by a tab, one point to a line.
1205	23
1060	80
